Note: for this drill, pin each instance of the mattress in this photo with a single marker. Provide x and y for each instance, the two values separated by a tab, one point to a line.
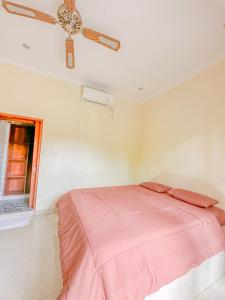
128	242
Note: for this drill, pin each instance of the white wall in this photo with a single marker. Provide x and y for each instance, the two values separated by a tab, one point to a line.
83	145
183	140
177	138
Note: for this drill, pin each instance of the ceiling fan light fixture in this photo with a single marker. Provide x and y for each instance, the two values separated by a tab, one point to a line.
70	21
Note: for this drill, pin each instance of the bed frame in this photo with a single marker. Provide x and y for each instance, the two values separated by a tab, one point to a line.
194	282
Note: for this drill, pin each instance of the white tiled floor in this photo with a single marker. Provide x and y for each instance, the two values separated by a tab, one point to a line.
30	268
29	261
214	292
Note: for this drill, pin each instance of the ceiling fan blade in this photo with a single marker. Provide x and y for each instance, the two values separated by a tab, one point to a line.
70	58
17	9
70	4
102	39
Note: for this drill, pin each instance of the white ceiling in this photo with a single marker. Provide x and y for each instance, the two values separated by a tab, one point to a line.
163	42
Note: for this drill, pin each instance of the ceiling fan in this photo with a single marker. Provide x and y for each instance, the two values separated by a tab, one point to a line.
70	20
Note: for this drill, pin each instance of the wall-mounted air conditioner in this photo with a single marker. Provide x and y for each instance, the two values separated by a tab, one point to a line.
96	96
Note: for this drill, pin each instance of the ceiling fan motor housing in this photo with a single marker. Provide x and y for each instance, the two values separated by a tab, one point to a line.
70	21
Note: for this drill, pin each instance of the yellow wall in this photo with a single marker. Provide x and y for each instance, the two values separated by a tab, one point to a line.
177	138
83	145
183	141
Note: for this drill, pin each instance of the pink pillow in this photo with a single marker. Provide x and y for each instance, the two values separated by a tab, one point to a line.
156	187
218	213
193	198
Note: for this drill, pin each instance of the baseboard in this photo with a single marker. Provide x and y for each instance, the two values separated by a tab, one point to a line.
45	211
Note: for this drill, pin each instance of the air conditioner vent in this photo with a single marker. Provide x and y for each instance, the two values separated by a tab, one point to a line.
96	96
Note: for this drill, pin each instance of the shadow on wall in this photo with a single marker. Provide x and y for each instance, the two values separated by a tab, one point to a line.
193	184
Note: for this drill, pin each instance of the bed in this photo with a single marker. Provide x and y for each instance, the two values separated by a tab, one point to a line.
130	243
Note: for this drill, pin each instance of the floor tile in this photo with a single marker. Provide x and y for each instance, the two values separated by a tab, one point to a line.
13	276
16	242
52	297
29	261
45	239
218	295
44	276
213	291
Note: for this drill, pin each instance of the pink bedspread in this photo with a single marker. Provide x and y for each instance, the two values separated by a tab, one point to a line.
124	243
